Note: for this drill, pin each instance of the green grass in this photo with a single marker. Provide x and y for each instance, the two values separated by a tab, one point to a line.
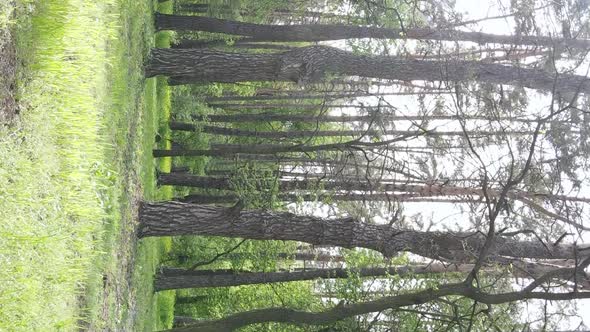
73	167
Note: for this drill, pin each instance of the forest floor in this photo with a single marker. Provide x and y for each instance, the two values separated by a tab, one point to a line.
74	164
8	106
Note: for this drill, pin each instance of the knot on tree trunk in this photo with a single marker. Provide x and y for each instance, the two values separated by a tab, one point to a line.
305	64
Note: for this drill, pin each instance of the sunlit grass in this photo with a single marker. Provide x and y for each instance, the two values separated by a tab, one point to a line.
53	170
72	163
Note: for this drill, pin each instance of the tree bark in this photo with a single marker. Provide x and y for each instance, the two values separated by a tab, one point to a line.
313	63
189	180
190	299
196	43
320	96
268	117
176	218
181	321
181	278
183	126
349	162
208	199
384	185
221	150
193	7
324	32
294	106
366	197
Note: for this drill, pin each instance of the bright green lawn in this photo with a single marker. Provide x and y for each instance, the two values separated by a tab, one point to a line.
74	166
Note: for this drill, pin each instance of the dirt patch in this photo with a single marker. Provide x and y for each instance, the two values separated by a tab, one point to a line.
8	63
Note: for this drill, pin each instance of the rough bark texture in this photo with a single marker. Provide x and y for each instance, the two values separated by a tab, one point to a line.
180	321
323	32
177	218
312	63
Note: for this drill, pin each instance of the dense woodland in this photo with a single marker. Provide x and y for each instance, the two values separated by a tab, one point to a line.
346	165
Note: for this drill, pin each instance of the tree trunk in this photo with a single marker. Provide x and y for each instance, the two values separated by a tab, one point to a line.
365	197
267	117
295	106
193	7
197	43
181	278
321	96
276	135
421	190
181	321
190	299
208	199
313	63
231	150
340	312
176	218
324	32
189	180
225	150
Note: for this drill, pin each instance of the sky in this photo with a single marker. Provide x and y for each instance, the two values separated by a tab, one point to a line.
444	214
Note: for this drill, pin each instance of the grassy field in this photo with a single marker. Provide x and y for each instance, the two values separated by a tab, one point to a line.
75	163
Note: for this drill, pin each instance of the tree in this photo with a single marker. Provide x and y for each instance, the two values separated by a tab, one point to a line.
177	218
183	126
375	116
323	32
312	63
218	150
175	278
389	302
320	96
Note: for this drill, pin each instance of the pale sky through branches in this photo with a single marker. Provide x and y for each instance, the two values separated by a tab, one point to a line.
447	216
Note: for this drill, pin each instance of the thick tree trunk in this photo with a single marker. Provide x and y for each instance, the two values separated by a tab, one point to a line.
324	32
176	218
276	135
313	63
